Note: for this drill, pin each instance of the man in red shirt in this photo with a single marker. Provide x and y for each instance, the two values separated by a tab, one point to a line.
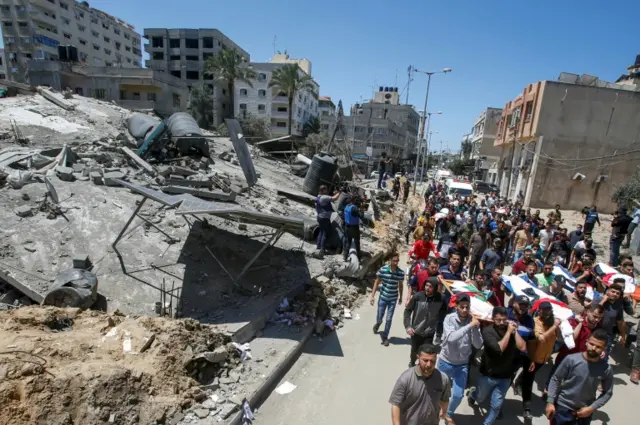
495	284
422	248
520	266
582	328
417	281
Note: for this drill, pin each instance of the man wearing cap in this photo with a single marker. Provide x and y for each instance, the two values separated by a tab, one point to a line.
421	316
460	335
546	331
556	289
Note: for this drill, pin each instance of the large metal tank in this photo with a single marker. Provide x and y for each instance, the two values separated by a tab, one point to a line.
321	172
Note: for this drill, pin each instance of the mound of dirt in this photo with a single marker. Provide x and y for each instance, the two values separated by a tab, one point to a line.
66	366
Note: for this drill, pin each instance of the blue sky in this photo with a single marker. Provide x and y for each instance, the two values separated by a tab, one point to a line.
495	47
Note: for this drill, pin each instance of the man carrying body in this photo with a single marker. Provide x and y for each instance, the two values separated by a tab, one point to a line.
417	281
501	342
392	279
494	282
421	394
578	301
582	254
421	316
451	271
530	276
576	236
461	334
572	390
619	228
546	237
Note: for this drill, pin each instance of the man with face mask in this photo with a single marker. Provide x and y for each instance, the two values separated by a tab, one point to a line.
421	394
461	334
501	343
573	387
546	331
421	316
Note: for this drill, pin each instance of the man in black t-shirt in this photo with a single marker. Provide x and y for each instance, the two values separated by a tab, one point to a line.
619	227
613	315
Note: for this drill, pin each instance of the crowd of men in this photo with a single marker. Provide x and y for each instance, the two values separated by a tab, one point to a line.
456	238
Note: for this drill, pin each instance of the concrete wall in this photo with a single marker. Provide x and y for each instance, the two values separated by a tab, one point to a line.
3	69
587	130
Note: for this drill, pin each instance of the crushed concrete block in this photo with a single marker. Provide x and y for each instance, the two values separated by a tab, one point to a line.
65	173
96	178
161	180
78	167
191	183
204	163
183	171
228	409
81	261
201	413
214	194
109	178
242	226
24	211
175	177
81	177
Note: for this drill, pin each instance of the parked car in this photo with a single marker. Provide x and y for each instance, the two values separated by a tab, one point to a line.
483	187
374	174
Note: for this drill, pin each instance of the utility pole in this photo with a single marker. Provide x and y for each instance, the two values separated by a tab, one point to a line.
409	71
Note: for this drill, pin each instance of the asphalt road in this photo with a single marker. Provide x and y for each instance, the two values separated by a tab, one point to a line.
346	378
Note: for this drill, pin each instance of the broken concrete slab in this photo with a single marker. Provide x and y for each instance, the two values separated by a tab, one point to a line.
96	177
214	195
141	162
242	151
109	178
298	196
65	173
24	211
191	183
183	171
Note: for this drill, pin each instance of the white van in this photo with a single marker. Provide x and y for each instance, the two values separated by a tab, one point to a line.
452	187
442	175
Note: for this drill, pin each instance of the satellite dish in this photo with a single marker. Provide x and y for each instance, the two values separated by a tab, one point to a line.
51	190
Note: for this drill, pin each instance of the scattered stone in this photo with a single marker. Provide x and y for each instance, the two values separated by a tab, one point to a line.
109	178
25	196
96	177
228	409
177	418
242	226
78	167
201	413
30	248
24	211
65	173
209	404
81	261
219	355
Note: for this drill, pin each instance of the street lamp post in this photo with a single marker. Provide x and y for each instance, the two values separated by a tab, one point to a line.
425	157
425	123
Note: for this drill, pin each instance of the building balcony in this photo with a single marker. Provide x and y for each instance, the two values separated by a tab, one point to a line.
279	130
39	16
155	64
280	99
279	114
136	104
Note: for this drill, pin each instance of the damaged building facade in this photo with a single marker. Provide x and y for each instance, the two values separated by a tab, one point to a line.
182	53
130	88
569	142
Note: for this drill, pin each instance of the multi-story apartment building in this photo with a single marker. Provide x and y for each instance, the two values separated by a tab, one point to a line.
270	103
483	136
33	29
326	107
3	69
182	52
304	64
383	125
569	141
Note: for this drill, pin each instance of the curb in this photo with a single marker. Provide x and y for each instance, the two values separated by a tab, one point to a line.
267	387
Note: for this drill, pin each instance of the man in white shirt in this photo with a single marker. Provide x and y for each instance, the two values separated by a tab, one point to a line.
546	237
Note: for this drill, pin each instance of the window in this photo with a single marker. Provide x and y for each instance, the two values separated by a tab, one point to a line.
94	20
262	109
207	42
281	124
359	129
127	36
7	24
116	31
176	100
151	97
127	48
243	106
528	112
299	111
128	60
262	76
81	28
193	75
324	126
136	95
5	8
107	51
174	43
206	56
262	93
99	93
136	63
79	14
79	91
107	39
83	42
96	47
105	26
175	74
191	43
123	95
66	35
157	42
157	56
65	21
174	57
65	6
95	33
191	58
282	109
28	55
243	92
118	45
23	24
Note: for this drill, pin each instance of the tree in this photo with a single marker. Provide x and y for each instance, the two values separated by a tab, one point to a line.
228	66
466	148
201	105
290	80
626	194
461	167
311	127
252	126
314	143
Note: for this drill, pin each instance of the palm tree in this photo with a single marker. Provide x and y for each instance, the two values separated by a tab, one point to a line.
289	80
228	66
311	127
201	105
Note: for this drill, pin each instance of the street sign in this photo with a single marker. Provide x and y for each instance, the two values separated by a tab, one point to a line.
369	151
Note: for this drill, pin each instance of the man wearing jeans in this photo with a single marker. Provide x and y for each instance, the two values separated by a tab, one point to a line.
461	333
324	209
421	316
390	279
501	342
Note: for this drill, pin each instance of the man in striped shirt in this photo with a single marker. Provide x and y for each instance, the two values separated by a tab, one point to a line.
390	279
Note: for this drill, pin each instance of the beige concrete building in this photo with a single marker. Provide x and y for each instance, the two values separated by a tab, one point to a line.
33	29
326	107
483	137
570	142
304	64
131	88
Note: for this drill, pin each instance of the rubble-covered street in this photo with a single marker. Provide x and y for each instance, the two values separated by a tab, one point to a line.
186	227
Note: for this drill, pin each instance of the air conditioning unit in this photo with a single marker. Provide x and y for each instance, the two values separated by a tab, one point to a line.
601	178
578	176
